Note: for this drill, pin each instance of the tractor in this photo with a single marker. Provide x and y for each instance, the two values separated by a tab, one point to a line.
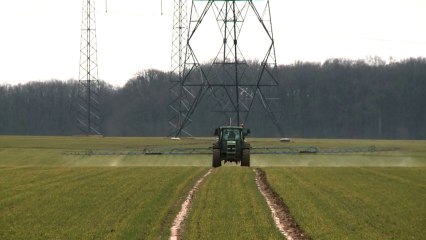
231	146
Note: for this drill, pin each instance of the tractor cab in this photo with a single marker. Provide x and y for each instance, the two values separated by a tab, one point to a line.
231	133
231	146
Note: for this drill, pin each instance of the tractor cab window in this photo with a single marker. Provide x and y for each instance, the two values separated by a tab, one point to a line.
237	135
231	134
225	134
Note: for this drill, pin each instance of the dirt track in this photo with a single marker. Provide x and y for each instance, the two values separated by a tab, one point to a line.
178	223
280	212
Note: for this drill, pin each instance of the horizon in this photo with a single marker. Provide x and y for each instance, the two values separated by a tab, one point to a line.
369	60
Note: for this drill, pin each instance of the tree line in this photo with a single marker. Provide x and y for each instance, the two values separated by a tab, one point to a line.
339	98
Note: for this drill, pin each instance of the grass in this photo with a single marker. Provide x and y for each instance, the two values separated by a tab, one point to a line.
409	153
76	142
47	194
91	203
48	151
229	206
355	203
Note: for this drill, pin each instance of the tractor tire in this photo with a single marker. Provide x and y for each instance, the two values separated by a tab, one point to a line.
216	158
245	161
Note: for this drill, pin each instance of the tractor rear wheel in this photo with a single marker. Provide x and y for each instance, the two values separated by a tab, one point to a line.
245	160
216	158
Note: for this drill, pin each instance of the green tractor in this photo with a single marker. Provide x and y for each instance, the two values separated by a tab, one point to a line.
231	146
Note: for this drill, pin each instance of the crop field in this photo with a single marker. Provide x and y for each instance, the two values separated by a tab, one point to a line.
229	206
405	153
49	151
46	194
355	203
91	203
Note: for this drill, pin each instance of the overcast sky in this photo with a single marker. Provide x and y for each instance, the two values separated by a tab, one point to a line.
40	39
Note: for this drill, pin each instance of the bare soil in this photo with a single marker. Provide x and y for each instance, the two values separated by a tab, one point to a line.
284	221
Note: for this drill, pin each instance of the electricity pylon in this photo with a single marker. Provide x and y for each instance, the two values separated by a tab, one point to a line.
231	85
88	118
181	95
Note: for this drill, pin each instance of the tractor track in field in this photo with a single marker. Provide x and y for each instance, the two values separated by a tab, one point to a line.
283	219
178	223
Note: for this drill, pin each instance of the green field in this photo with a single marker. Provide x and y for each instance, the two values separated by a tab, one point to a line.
46	194
355	203
49	151
407	153
229	206
91	203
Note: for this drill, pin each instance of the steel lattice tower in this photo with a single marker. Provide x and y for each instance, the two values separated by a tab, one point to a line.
229	83
88	118
181	96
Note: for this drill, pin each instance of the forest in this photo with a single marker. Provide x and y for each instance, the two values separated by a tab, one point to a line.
338	98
